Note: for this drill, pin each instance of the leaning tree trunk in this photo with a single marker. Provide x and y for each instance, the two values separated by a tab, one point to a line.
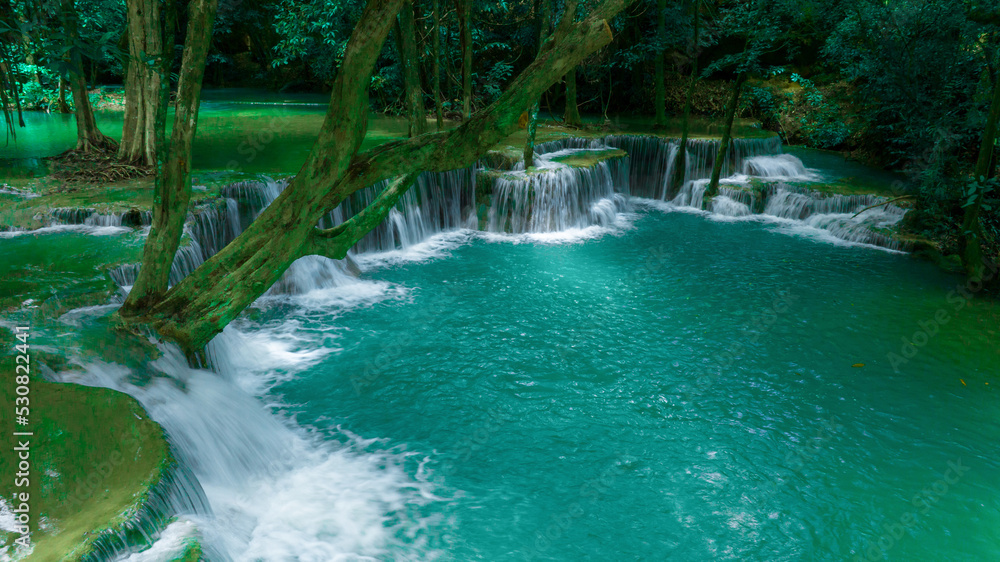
572	114
406	44
173	180
201	305
150	48
464	10
727	133
972	230
436	65
88	136
680	162
542	11
660	86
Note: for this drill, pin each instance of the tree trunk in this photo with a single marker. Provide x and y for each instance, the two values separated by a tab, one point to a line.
529	142
197	308
542	13
436	66
572	114
61	104
972	230
149	64
88	136
464	11
720	158
406	44
680	162
661	92
173	180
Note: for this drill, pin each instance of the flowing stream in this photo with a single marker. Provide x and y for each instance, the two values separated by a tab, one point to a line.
577	364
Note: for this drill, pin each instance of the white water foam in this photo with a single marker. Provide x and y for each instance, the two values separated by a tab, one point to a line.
81	228
276	491
437	246
174	539
777	167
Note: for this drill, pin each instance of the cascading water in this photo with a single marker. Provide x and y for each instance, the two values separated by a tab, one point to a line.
275	491
559	197
775	167
90	217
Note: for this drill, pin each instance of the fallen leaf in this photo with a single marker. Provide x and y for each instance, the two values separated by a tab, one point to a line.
858	365
963	382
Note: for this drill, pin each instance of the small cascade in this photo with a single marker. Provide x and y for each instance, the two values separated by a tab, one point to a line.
254	487
558	197
778	166
177	491
569	143
86	216
438	202
741	150
835	214
651	161
725	204
71	215
692	194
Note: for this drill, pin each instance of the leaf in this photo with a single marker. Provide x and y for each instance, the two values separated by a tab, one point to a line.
857	365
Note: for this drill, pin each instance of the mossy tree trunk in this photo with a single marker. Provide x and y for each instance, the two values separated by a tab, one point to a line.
150	46
173	180
972	230
464	10
61	105
680	162
436	64
658	75
572	114
88	136
406	44
727	133
201	305
543	14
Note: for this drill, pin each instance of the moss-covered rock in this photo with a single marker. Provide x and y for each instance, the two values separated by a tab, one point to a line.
98	465
590	158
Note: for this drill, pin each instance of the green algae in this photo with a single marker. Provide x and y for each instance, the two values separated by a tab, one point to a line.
48	274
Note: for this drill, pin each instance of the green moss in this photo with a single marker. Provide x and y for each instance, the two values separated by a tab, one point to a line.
96	458
852	186
119	197
192	553
60	271
588	158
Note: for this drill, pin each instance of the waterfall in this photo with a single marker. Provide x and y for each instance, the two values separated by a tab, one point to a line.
87	216
777	166
438	202
273	491
557	198
255	487
651	161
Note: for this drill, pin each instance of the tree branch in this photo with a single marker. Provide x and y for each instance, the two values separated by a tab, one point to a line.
335	242
462	146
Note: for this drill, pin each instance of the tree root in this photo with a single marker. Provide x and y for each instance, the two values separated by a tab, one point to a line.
98	165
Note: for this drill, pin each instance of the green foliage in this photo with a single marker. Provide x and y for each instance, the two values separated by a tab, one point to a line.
804	115
40	88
